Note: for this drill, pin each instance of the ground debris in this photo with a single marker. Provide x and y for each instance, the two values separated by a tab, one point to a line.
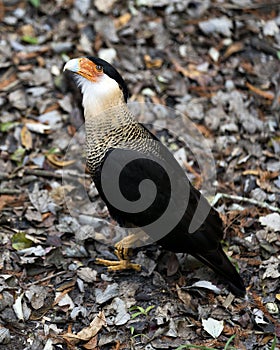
213	63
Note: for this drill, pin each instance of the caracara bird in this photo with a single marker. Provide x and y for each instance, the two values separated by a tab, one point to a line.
143	186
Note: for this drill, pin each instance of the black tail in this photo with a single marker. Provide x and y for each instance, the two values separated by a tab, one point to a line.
219	262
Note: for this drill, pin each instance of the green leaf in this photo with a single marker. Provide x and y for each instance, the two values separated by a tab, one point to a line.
54	150
29	39
229	341
136	314
149	308
137	308
19	241
4	127
278	55
18	155
35	3
273	345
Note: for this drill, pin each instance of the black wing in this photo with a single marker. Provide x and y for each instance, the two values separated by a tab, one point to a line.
165	209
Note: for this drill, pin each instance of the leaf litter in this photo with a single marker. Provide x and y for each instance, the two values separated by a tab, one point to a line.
218	62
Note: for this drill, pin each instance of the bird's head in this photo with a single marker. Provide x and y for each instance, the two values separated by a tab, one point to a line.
101	85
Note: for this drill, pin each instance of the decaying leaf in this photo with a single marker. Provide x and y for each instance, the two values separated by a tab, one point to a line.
39	199
233	48
213	327
184	296
271	221
18	307
152	63
207	285
55	160
87	274
20	241
88	332
123	20
162	52
37	295
38	127
26	138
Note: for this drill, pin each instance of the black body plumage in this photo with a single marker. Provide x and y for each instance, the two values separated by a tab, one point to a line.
117	144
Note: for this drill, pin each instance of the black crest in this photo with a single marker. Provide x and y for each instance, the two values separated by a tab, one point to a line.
112	73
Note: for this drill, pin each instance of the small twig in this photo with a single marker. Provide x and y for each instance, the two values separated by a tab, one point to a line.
10	191
4	176
263	46
265	4
244	199
43	173
45	279
51	174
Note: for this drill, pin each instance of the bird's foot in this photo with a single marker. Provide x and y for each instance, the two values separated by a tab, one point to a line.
118	265
122	252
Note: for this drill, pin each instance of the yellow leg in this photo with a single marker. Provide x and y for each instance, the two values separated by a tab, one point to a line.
122	251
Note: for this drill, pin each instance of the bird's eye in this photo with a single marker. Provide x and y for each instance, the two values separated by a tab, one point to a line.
99	68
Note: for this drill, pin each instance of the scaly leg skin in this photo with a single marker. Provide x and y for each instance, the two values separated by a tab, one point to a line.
122	251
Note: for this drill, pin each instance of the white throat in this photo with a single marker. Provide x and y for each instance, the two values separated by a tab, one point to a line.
99	96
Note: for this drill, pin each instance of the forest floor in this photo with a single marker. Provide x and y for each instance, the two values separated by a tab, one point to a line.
215	65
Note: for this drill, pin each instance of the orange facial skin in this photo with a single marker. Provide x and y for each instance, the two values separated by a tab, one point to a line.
88	69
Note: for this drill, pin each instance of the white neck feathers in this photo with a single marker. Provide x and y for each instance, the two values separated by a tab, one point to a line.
99	96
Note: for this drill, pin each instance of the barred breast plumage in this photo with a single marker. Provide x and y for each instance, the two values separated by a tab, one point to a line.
116	128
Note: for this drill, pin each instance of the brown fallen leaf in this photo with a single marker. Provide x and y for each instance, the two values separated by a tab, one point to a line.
89	332
204	130
26	138
184	296
8	79
55	160
122	21
92	344
11	200
5	200
248	67
266	94
264	176
25	67
24	55
118	345
52	107
151	63
251	172
2	10
61	295
28	30
232	49
198	177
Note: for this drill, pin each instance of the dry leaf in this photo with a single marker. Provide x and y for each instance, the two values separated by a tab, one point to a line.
122	21
17	306
6	200
38	127
92	344
8	79
232	49
26	138
89	332
213	327
266	94
152	62
272	221
183	296
54	159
